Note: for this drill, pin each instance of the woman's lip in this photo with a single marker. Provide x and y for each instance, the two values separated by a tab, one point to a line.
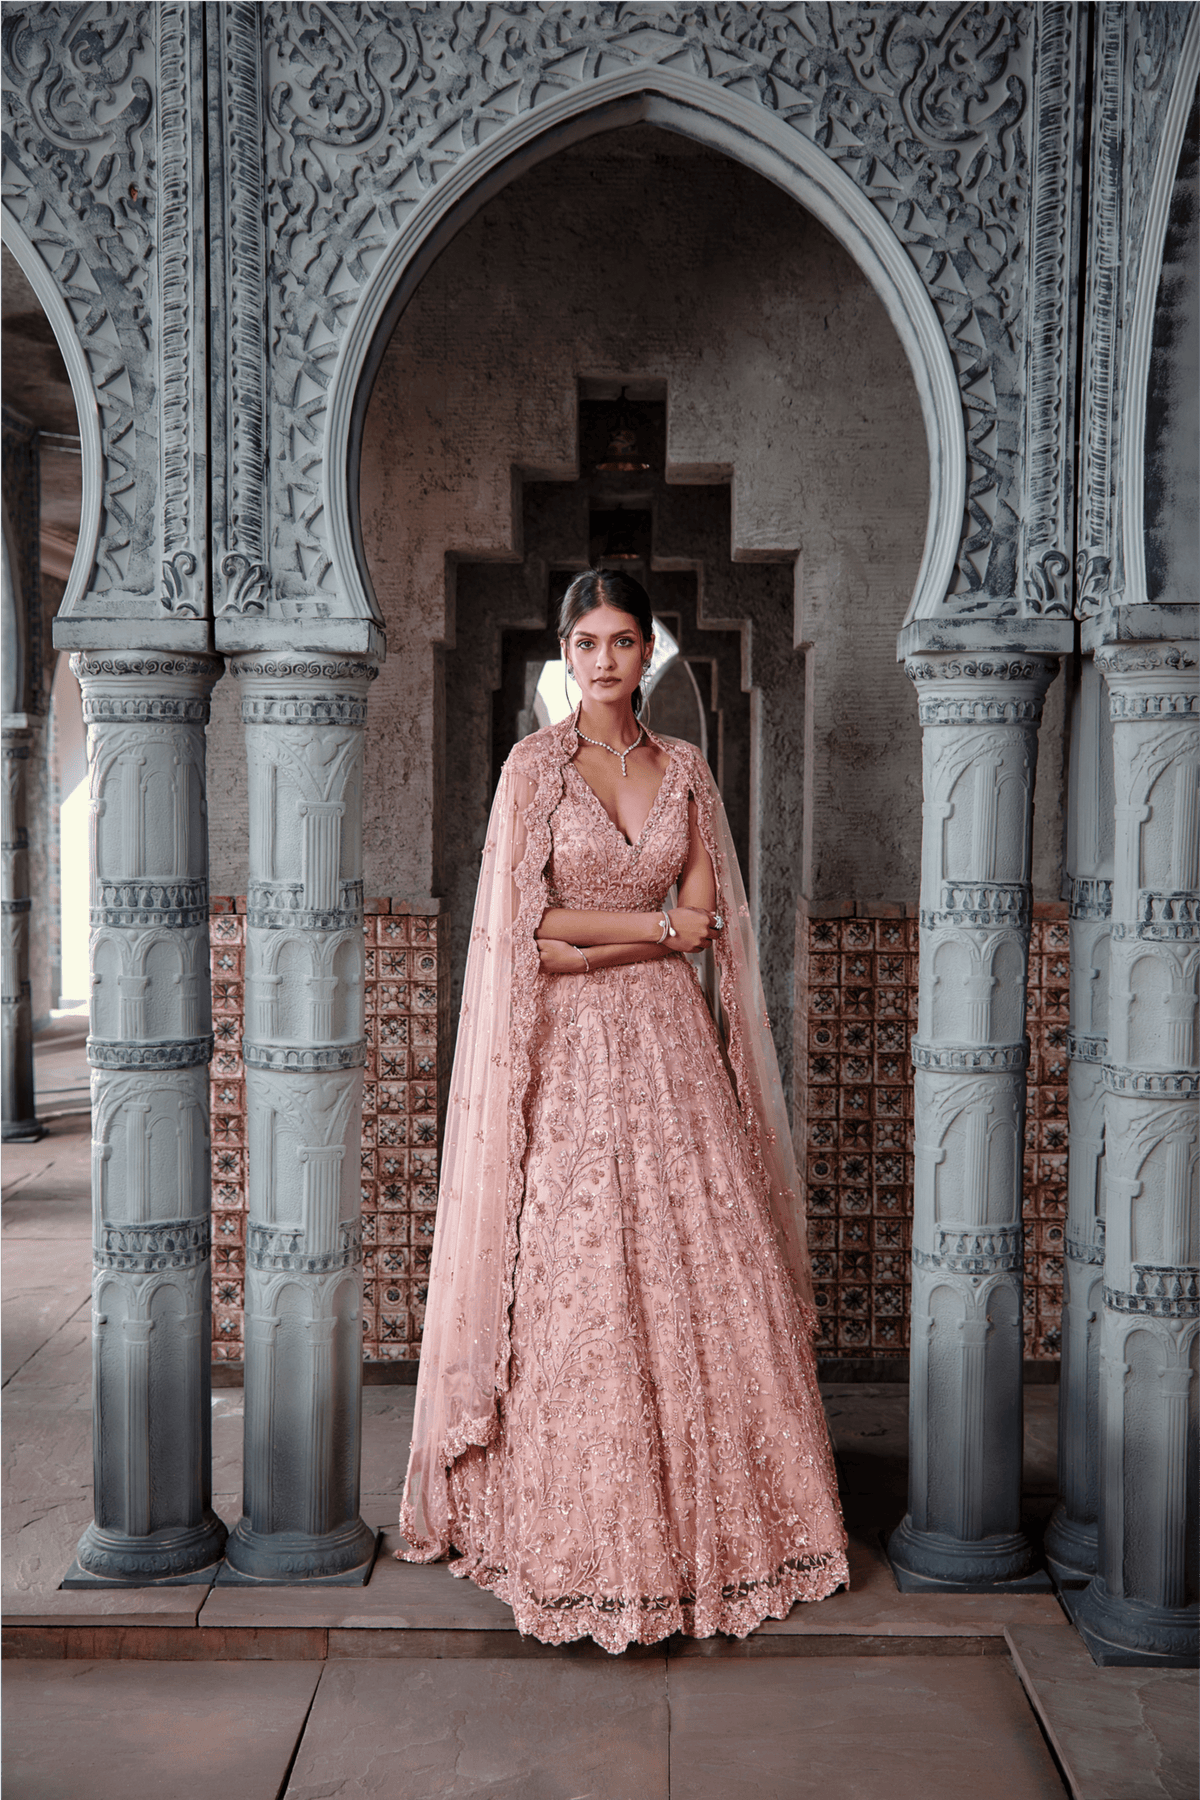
606	681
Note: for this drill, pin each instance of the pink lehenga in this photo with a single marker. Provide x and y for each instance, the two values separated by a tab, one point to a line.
618	1425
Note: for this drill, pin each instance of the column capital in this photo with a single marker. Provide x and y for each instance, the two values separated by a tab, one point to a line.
989	689
147	687
1156	680
304	690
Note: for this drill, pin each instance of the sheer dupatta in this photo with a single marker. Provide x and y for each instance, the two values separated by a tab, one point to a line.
465	1349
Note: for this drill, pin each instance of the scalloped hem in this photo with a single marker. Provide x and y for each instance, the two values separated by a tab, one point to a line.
615	1625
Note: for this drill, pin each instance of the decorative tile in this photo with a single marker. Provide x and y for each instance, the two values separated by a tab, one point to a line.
855	1023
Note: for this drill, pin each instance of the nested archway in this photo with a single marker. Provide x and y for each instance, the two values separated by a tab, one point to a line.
727	123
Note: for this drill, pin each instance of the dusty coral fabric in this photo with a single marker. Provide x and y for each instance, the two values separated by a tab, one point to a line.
658	1458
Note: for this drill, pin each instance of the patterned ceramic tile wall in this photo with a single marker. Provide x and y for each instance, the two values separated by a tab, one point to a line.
408	1037
856	1016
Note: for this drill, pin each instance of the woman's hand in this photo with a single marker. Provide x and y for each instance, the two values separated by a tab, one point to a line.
694	929
558	958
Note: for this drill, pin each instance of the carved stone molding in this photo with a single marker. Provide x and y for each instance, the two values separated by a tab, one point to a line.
1169	918
1085	1250
282	1248
147	1248
1180	1084
104	193
304	668
303	1058
977	1059
975	1252
1161	1293
980	903
146	669
374	115
296	709
1091	897
1141	76
177	1053
175	905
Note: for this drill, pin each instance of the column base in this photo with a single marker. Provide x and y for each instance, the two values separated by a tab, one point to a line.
1130	1634
933	1562
22	1131
342	1558
1071	1548
173	1557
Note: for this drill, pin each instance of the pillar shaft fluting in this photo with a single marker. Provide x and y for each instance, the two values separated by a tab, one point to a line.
1071	1534
149	1046
304	1052
1141	1605
979	718
18	1120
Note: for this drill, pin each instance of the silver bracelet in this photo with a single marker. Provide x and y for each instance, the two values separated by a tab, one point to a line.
668	930
587	965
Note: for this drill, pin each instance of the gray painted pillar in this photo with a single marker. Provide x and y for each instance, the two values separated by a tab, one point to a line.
149	1047
19	1124
304	1052
1071	1533
979	716
1141	1606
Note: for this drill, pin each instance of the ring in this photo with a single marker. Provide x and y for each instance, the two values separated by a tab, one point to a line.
718	922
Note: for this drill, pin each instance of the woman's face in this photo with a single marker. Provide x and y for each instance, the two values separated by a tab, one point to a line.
606	650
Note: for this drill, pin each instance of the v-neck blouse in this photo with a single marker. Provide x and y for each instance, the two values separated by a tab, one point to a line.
592	863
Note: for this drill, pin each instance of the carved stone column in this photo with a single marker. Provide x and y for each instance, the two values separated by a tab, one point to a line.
980	718
19	1123
1071	1534
1141	1606
149	1046
304	1051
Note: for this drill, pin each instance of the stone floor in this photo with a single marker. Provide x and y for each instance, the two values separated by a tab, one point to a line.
418	1685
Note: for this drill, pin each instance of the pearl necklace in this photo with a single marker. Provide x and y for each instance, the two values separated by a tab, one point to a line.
639	739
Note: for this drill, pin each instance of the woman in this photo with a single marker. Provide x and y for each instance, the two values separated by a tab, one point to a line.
618	1425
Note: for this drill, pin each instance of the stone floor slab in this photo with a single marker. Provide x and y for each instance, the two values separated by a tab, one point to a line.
55	1169
446	1730
877	1728
874	1606
152	1731
399	1596
101	1606
41	1290
1120	1734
